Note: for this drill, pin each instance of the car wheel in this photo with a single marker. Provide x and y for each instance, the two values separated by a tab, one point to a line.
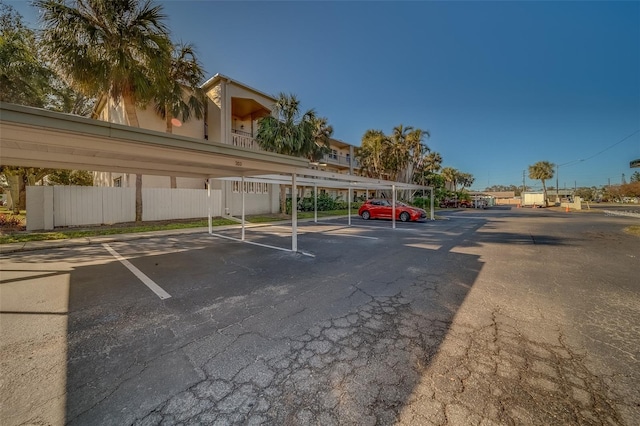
366	215
404	216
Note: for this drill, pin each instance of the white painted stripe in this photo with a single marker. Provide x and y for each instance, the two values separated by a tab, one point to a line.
467	217
335	231
138	273
262	245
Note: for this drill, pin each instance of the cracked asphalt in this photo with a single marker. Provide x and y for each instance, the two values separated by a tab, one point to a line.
502	316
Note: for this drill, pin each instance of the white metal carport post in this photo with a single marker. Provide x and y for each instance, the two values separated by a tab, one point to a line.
294	214
209	204
315	203
349	206
242	190
432	204
393	208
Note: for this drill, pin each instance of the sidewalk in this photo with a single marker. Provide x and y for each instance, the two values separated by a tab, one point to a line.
99	239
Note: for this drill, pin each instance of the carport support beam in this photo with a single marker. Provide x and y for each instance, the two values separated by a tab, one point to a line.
242	190
294	214
432	205
209	205
349	206
315	203
393	206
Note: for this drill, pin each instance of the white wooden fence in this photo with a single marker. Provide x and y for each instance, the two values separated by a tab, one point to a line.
53	206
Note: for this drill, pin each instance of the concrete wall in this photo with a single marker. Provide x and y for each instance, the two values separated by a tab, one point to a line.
149	119
507	201
55	206
39	207
576	205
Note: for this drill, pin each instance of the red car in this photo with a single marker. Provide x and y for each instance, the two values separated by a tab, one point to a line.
382	209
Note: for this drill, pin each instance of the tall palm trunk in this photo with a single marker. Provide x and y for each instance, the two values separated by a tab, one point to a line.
14	190
132	116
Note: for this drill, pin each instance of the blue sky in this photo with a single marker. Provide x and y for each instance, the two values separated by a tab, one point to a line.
499	85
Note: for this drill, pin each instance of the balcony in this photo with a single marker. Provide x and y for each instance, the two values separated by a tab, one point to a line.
244	140
340	160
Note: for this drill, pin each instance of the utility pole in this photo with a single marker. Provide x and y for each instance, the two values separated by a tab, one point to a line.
524	188
557	186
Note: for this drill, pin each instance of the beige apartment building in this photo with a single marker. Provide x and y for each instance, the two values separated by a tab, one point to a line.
232	113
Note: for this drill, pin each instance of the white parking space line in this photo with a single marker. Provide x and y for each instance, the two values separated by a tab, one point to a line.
261	245
159	291
467	217
335	231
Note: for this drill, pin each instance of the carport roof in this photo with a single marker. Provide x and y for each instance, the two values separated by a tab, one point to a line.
310	177
38	138
35	137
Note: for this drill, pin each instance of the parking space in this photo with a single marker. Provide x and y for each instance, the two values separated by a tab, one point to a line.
251	334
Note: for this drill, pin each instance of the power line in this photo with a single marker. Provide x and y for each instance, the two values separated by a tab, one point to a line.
608	148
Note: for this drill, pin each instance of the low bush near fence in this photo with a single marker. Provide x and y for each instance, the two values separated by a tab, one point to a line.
421	202
325	203
11	223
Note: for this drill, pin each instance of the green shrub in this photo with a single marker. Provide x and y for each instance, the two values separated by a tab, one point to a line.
325	203
422	202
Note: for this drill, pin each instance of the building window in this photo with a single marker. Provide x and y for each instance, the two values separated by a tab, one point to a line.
117	182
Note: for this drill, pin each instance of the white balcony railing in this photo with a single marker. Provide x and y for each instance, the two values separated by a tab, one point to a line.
341	160
244	140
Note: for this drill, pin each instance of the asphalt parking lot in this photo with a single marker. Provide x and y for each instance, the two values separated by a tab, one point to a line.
500	316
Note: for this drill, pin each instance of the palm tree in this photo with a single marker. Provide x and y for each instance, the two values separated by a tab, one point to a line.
432	162
322	132
182	97
416	151
542	170
465	180
398	152
451	175
428	167
372	153
117	48
24	77
287	132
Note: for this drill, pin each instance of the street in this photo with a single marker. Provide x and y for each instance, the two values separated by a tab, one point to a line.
497	316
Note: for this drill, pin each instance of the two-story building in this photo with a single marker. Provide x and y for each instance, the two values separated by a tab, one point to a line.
231	116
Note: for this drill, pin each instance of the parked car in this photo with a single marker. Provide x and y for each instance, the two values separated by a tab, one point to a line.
456	203
382	209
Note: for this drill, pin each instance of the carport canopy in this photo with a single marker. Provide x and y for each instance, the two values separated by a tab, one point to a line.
33	137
